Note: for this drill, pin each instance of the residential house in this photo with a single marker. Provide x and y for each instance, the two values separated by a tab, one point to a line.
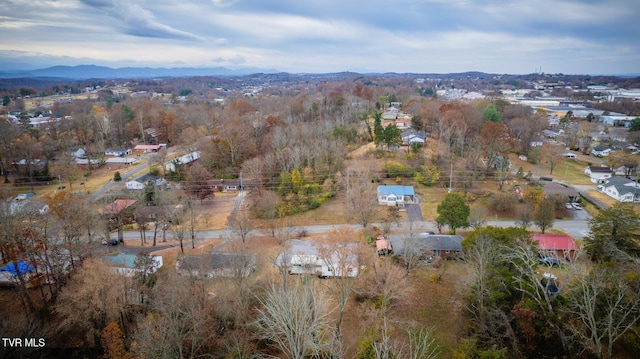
125	264
410	137
390	114
226	185
117	206
117	161
552	189
311	258
9	273
427	245
598	174
151	135
217	264
395	195
117	152
443	246
78	152
621	189
555	245
601	151
146	148
140	182
182	160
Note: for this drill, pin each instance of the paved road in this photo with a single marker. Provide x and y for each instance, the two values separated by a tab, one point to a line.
577	228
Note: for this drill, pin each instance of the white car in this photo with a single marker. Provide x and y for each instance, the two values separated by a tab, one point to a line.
568	205
576	205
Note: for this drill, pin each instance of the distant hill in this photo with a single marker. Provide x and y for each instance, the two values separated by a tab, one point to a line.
82	72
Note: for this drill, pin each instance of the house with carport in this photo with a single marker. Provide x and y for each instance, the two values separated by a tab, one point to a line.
555	245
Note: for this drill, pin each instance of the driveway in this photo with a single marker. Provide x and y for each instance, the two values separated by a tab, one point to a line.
414	213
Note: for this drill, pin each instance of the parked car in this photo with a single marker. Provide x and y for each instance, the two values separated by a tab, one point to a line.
576	205
549	261
568	205
111	242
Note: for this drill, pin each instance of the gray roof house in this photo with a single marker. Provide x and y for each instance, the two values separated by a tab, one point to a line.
141	182
217	264
429	245
621	189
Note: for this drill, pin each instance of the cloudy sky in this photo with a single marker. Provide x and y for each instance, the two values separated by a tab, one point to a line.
424	36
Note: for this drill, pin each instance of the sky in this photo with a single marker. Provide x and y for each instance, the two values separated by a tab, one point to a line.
319	36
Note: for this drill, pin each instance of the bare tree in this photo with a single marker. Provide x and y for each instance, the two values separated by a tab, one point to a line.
524	215
295	318
604	307
182	326
343	256
361	195
92	299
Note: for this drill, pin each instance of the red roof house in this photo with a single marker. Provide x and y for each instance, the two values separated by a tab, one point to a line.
558	245
117	206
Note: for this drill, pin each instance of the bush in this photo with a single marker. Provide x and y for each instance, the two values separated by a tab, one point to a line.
503	202
117	177
396	169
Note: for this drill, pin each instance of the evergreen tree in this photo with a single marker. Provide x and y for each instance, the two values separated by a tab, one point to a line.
453	212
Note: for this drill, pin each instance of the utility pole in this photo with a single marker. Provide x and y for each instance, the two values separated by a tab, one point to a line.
451	178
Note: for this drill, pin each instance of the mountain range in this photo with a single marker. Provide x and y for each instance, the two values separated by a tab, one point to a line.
82	72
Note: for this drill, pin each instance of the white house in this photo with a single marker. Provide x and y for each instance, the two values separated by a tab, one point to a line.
140	182
410	137
125	264
621	189
598	174
182	160
118	152
601	151
395	195
78	152
310	258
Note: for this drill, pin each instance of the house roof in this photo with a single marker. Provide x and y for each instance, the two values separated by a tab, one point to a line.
599	169
396	190
23	268
554	242
217	260
602	148
147	147
440	242
552	188
426	242
146	178
622	185
117	206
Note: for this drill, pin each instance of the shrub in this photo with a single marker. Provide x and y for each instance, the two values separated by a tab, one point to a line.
117	177
396	169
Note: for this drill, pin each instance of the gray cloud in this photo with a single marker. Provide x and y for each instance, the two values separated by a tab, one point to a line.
137	21
516	36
